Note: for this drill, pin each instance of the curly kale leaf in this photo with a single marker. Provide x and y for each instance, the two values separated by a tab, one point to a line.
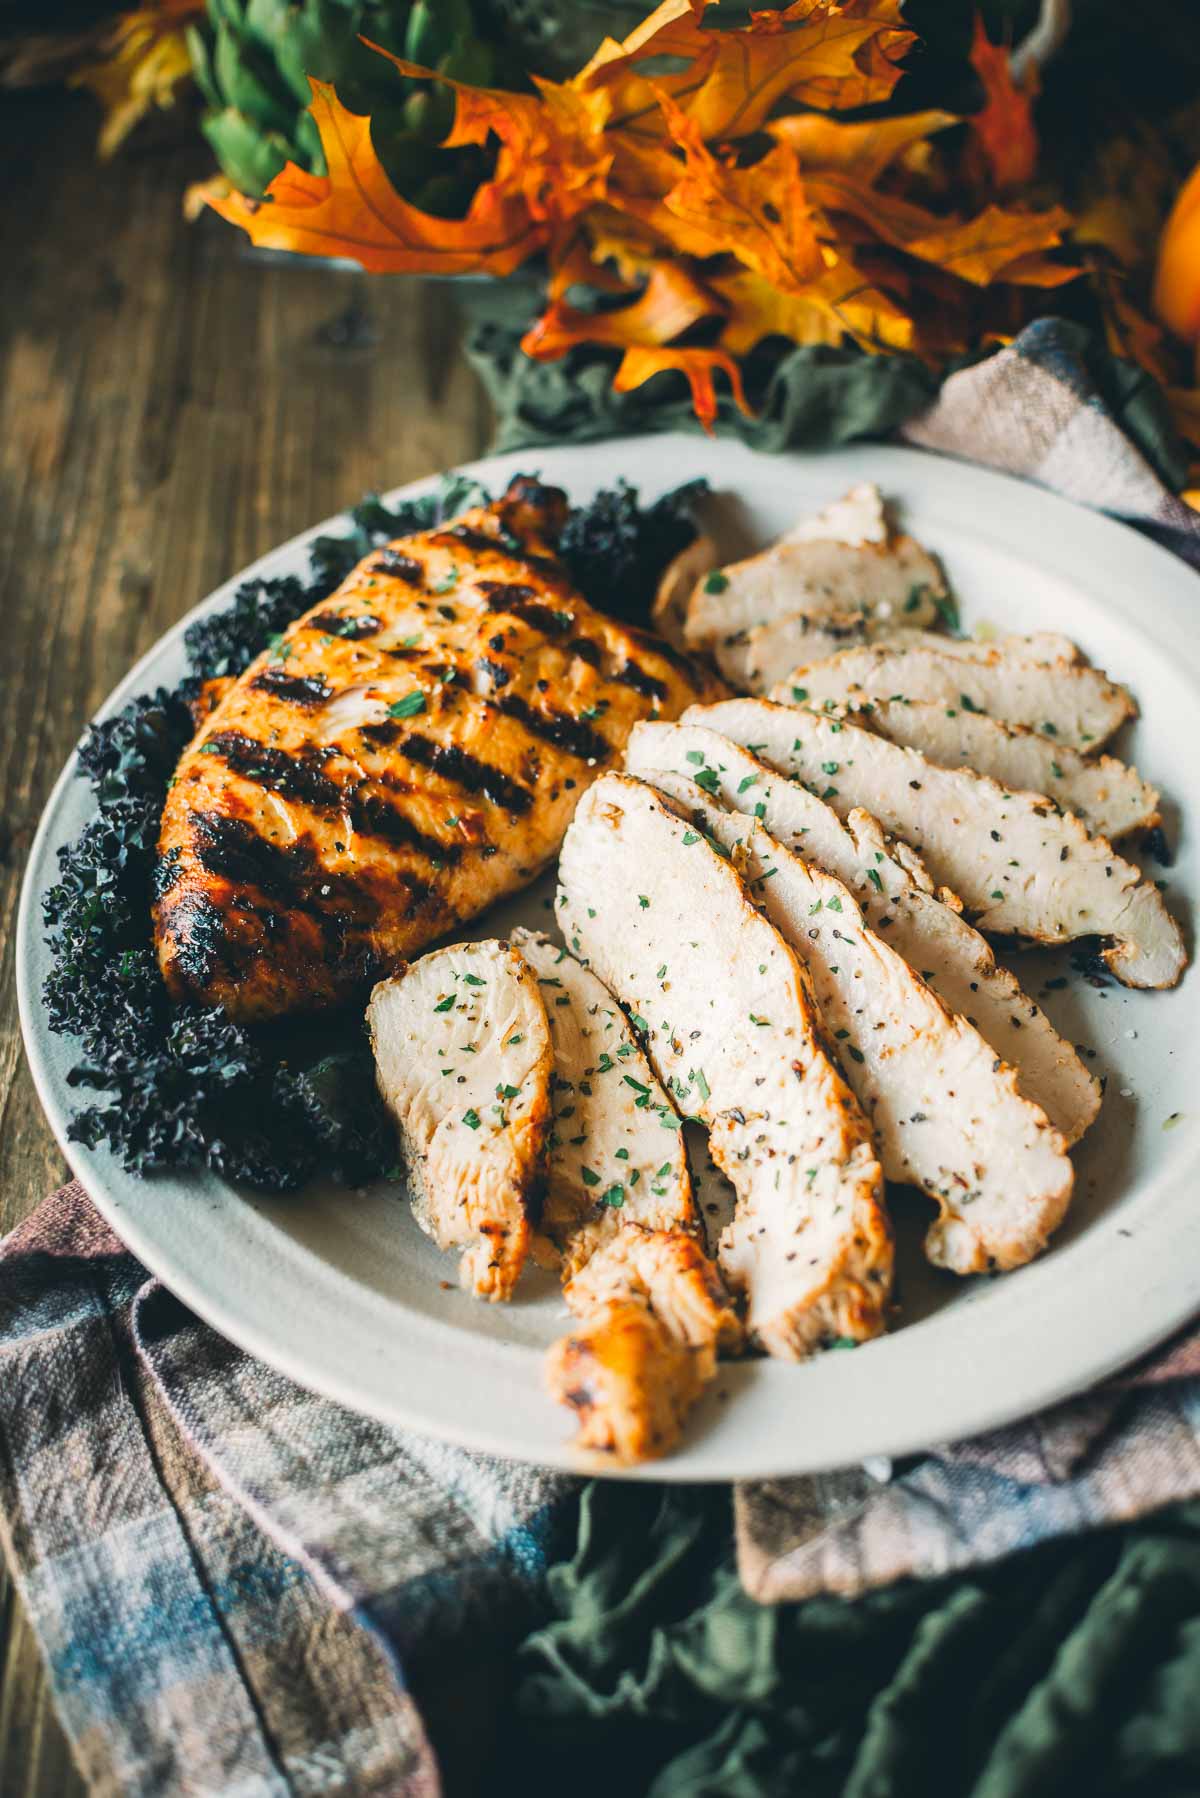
373	523
134	751
225	642
615	549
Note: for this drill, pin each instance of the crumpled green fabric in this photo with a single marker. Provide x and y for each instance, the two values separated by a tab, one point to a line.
1074	1668
808	397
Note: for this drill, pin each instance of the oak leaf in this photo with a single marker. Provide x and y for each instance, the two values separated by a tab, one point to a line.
1004	129
355	211
671	302
699	366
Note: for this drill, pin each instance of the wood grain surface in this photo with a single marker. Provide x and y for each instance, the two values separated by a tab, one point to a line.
171	406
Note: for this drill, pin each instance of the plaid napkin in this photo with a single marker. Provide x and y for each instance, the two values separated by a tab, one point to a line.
238	1587
241	1588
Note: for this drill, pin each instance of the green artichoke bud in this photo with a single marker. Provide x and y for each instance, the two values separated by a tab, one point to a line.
253	62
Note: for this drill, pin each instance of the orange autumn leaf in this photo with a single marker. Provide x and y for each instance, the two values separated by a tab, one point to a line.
758	214
671	302
699	366
865	150
840	303
1004	129
829	53
355	211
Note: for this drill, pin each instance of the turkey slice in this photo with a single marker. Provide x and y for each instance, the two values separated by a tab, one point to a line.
1067	702
619	1209
653	1316
615	1151
463	1059
1110	798
675	588
730	1027
845	559
1020	867
897	898
946	1111
758	659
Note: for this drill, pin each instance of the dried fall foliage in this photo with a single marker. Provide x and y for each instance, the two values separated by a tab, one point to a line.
668	174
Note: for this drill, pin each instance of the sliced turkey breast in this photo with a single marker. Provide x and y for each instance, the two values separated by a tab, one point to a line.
1111	799
730	1026
463	1059
1046	647
947	1113
1068	702
1020	867
676	585
757	660
615	1153
843	560
653	1316
896	895
619	1210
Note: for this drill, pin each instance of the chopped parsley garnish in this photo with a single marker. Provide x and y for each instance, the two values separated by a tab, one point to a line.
800	694
471	1119
445	1004
689	837
473	980
751	780
589	1178
613	1195
701	1083
448	582
643	901
695	757
707	778
409	706
834	904
508	1092
967	703
873	877
716	582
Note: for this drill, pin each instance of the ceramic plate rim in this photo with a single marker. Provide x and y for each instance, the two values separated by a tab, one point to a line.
1064	532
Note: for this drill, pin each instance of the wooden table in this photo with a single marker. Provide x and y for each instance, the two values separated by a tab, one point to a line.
170	407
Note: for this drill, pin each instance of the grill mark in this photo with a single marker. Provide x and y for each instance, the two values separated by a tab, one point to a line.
372	816
454	764
296	777
405	568
296	689
559	728
384	733
348	625
586	650
665	651
502	596
631	675
292	878
197	928
166	872
550	571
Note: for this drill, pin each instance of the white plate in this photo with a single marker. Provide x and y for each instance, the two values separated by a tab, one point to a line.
341	1291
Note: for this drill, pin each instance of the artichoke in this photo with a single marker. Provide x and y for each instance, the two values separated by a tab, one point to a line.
252	60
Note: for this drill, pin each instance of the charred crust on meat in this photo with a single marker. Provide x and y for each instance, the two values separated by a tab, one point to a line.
496	672
464	770
166	872
395	562
199	933
632	675
586	650
295	689
561	729
295	776
372	816
352	626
